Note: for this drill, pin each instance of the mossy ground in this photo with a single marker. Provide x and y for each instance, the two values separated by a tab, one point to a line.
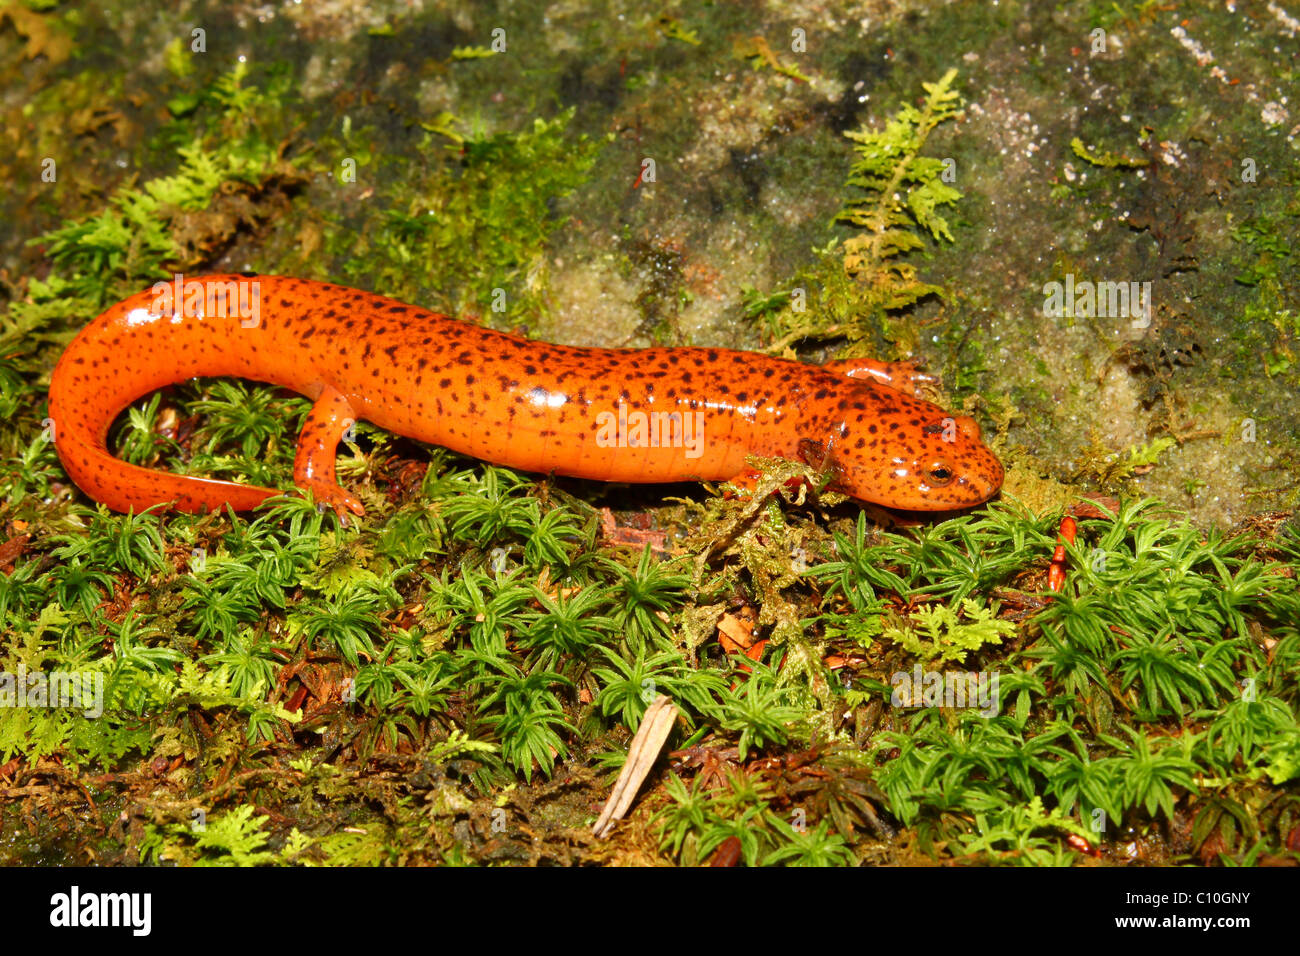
456	679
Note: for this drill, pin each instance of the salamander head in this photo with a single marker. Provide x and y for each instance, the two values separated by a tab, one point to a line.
900	452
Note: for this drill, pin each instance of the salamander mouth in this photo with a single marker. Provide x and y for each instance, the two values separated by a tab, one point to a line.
965	490
982	487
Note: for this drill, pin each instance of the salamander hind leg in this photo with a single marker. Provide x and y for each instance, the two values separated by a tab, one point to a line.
313	468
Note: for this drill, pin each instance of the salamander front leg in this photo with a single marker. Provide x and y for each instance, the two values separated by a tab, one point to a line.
313	467
744	484
900	376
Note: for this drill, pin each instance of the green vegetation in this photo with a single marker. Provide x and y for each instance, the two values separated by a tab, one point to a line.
467	228
1145	690
1106	160
1269	325
943	637
896	198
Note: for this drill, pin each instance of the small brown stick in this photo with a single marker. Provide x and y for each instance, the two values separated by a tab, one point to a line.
650	738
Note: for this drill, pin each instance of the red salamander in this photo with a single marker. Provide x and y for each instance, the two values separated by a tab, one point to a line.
627	415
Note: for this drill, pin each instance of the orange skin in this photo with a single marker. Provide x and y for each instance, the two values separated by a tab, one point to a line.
505	399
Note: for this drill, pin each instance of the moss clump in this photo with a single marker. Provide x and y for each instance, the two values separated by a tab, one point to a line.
897	197
470	231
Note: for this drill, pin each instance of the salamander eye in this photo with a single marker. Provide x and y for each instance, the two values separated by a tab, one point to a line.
938	473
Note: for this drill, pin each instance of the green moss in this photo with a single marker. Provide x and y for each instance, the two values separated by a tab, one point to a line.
895	197
942	636
471	227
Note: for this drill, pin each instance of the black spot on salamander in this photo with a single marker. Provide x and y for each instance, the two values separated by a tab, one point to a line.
391	352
